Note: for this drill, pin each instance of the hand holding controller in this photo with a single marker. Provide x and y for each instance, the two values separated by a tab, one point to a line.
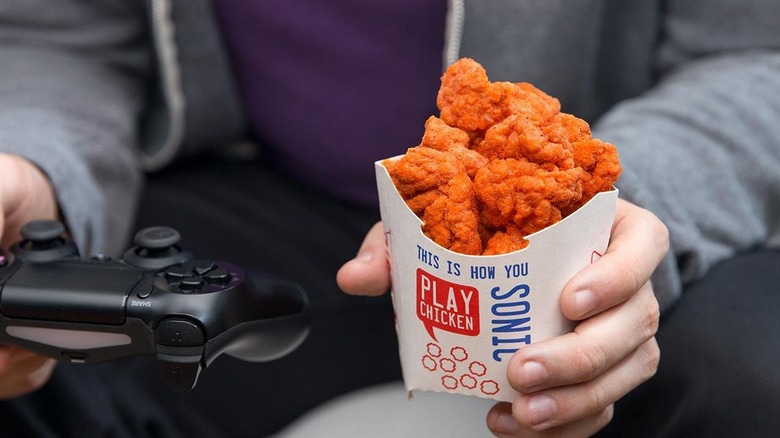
156	300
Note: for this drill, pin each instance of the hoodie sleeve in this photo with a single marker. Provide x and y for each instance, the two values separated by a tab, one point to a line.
702	151
71	90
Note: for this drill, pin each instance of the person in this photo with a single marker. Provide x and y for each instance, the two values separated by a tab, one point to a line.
92	93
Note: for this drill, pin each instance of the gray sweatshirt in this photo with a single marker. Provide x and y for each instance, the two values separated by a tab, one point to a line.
95	92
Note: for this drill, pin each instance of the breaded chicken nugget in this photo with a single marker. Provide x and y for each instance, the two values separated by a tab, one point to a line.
440	136
521	193
469	101
519	137
452	219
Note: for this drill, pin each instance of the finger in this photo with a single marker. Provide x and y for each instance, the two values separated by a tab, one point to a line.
596	345
563	405
369	272
638	244
22	372
502	424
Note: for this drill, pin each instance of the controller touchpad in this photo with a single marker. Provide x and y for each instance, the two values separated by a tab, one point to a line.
77	292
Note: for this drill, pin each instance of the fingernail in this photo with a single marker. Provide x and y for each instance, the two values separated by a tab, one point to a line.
364	256
531	375
540	409
505	424
584	302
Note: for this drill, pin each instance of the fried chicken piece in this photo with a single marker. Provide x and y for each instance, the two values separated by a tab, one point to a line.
554	105
567	129
462	97
421	170
521	193
519	137
452	220
440	136
505	241
601	166
469	101
420	202
437	188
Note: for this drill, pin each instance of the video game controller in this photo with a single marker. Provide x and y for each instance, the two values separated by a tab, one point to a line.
156	300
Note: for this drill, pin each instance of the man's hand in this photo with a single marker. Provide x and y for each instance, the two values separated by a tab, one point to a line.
568	384
25	195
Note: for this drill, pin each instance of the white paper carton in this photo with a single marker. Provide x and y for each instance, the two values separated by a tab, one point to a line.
460	318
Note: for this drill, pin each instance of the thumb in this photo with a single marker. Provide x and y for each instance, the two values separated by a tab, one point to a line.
369	272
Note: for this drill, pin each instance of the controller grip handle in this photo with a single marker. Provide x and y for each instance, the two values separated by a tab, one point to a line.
286	317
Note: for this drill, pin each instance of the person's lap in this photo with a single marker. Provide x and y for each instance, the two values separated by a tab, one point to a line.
718	358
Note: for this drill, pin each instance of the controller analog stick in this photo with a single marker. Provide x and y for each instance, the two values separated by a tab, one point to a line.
157	238
43	231
156	248
43	242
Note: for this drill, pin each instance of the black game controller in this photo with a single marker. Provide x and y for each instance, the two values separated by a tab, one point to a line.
156	300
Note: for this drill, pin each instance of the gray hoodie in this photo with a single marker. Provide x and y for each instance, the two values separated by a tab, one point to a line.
95	92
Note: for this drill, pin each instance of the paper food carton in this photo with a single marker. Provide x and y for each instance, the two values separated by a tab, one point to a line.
459	317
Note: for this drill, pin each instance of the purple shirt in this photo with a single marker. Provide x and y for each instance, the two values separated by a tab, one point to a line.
332	86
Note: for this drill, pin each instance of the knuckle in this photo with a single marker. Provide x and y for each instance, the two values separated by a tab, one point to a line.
596	399
590	361
652	358
662	235
652	317
632	279
659	230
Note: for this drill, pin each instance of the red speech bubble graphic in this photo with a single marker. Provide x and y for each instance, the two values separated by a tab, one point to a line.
447	306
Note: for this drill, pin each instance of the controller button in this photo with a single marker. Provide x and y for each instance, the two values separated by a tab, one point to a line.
157	238
202	267
181	374
3	261
191	284
145	293
179	333
180	344
177	273
218	276
43	230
